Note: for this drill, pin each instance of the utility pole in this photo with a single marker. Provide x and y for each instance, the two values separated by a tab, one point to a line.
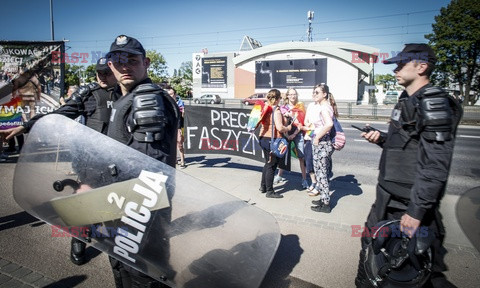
309	31
51	20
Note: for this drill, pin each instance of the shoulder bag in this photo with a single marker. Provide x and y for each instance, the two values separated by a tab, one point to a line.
278	146
337	135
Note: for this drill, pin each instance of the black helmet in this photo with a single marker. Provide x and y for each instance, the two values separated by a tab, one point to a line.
394	260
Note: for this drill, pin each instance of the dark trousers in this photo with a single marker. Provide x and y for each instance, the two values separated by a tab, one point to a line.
271	163
308	151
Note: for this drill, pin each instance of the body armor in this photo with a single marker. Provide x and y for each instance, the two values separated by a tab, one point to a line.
433	115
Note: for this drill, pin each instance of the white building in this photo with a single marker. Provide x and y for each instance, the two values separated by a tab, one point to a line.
345	67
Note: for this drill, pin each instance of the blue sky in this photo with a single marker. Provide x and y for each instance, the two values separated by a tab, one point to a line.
177	29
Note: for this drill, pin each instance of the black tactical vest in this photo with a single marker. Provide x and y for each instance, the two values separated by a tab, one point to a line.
98	109
402	143
117	128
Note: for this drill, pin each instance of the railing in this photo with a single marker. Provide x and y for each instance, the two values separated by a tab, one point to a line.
471	114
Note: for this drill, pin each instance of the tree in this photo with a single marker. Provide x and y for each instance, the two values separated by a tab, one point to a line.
90	73
386	80
456	41
182	79
72	75
158	67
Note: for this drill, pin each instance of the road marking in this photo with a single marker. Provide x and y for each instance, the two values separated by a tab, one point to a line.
468	136
459	136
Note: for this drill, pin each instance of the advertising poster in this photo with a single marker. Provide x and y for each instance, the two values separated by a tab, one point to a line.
214	74
26	72
297	73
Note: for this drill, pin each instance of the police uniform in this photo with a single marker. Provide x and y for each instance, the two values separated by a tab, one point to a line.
90	101
414	168
145	119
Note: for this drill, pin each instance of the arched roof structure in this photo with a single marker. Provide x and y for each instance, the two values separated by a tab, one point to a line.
339	50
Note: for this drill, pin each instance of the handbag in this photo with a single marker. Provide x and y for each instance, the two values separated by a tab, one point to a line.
337	135
278	146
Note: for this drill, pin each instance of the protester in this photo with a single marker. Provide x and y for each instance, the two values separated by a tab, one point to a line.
265	137
291	107
414	166
319	117
180	138
64	98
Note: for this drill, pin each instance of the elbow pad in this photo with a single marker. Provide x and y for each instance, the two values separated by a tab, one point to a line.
148	120
435	117
81	95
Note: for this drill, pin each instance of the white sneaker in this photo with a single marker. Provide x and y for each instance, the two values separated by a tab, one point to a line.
304	184
278	179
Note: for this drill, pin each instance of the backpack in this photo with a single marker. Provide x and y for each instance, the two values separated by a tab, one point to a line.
337	135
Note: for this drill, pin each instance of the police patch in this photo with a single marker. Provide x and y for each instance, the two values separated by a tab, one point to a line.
396	113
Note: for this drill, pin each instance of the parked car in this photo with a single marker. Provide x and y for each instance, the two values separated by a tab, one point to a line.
250	100
208	99
391	97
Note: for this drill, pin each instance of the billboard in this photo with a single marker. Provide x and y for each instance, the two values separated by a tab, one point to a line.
299	73
214	73
26	72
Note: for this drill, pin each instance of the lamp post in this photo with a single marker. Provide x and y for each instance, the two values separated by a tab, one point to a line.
51	20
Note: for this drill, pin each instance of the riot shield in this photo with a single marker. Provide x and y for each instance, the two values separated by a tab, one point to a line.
140	211
468	215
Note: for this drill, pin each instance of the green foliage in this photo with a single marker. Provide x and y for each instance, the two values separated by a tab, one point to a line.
90	73
71	75
456	41
386	80
158	67
182	80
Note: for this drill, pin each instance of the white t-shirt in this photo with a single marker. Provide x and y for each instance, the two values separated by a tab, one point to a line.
314	116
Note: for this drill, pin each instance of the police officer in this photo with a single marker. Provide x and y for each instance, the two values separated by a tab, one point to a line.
94	103
414	166
145	118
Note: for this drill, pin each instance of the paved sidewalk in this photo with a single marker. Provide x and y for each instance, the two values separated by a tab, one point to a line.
14	275
317	248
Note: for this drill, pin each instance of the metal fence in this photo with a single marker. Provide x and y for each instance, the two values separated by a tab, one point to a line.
471	114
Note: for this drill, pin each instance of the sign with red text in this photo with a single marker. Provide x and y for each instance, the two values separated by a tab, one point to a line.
223	131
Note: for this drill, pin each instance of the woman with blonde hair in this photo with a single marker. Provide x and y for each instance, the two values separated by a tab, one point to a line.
265	136
295	135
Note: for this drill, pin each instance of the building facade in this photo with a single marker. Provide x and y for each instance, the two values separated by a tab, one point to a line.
347	68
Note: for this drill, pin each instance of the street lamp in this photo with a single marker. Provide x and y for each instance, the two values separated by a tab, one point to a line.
51	20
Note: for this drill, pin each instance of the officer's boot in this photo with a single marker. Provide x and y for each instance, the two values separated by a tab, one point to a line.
77	252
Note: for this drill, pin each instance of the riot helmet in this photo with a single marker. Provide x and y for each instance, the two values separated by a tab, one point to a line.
394	260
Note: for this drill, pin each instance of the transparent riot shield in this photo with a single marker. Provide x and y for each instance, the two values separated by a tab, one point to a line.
468	215
140	211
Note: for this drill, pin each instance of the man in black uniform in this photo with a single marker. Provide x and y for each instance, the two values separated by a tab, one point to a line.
414	167
145	118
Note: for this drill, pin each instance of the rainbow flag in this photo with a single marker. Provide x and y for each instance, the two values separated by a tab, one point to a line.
10	115
256	115
311	131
